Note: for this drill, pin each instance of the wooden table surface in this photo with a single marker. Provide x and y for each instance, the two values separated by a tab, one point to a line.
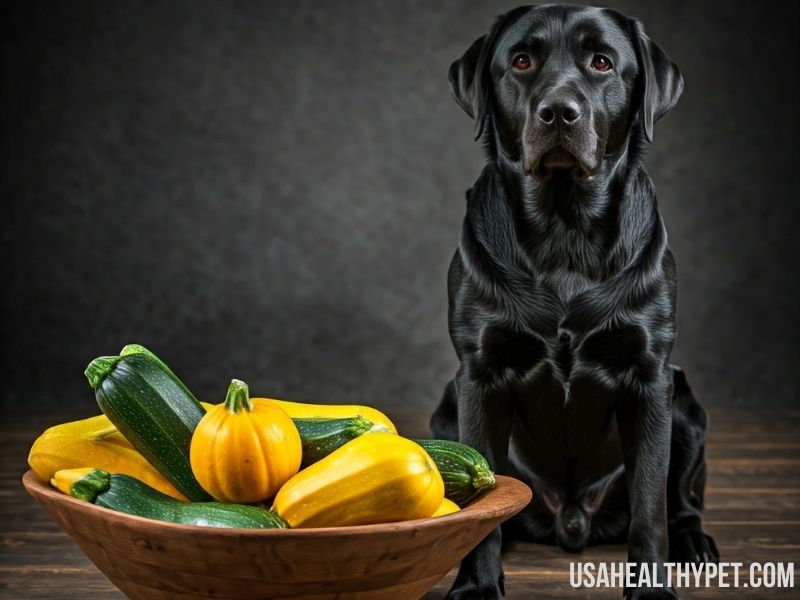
753	510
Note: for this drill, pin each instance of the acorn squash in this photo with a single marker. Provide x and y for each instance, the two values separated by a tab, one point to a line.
244	450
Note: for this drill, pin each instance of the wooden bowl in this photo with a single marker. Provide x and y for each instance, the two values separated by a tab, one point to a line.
149	559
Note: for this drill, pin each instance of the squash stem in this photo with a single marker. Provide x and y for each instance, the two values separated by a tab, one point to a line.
238	397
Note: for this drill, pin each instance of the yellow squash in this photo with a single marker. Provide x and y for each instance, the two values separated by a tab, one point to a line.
298	410
244	450
94	441
375	478
445	508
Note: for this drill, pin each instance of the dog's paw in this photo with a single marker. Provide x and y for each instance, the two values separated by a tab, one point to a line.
473	593
651	594
690	546
477	589
465	594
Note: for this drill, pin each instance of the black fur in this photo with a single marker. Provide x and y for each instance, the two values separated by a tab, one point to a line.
562	295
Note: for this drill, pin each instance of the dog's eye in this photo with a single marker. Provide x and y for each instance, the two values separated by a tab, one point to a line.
601	62
521	62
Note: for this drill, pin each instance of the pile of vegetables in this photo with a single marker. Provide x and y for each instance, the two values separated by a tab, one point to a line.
249	462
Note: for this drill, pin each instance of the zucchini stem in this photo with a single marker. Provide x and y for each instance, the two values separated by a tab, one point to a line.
83	484
99	369
238	397
483	479
362	425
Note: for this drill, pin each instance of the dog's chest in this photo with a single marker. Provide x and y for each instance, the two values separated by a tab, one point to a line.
566	386
566	283
605	357
564	390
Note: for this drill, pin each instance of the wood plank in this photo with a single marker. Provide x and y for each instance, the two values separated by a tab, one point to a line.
89	584
535	570
753	510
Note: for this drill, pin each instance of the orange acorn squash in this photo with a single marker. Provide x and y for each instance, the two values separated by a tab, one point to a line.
244	450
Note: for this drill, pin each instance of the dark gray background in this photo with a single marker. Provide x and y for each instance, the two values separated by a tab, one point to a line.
273	191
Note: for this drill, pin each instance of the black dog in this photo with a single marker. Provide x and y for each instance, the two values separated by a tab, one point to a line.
562	295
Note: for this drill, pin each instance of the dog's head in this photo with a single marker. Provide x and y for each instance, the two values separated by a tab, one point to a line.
563	86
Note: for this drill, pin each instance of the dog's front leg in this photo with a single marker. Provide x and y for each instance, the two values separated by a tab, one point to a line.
485	412
644	424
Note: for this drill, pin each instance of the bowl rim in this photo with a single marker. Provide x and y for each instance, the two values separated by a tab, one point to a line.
507	498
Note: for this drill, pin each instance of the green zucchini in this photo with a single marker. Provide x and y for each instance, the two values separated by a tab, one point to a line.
153	409
464	470
320	437
126	494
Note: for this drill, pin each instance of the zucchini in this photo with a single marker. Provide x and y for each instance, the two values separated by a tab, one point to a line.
153	409
464	470
320	437
126	494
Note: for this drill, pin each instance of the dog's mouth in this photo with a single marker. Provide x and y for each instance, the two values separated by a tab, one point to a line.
558	160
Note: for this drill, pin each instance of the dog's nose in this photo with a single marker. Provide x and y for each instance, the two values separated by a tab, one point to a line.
565	110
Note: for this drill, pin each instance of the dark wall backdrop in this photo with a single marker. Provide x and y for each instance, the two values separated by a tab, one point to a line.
273	190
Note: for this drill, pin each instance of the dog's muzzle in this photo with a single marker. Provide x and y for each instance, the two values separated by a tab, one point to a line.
561	138
558	159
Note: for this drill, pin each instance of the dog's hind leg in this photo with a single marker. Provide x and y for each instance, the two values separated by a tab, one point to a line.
444	421
687	477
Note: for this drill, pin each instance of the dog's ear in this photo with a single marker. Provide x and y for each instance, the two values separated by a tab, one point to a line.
466	82
660	82
469	77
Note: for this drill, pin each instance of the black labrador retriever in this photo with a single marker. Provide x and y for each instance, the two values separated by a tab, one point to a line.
562	296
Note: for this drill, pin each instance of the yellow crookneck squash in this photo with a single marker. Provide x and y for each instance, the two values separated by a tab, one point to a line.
244	450
375	478
445	508
299	410
94	441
